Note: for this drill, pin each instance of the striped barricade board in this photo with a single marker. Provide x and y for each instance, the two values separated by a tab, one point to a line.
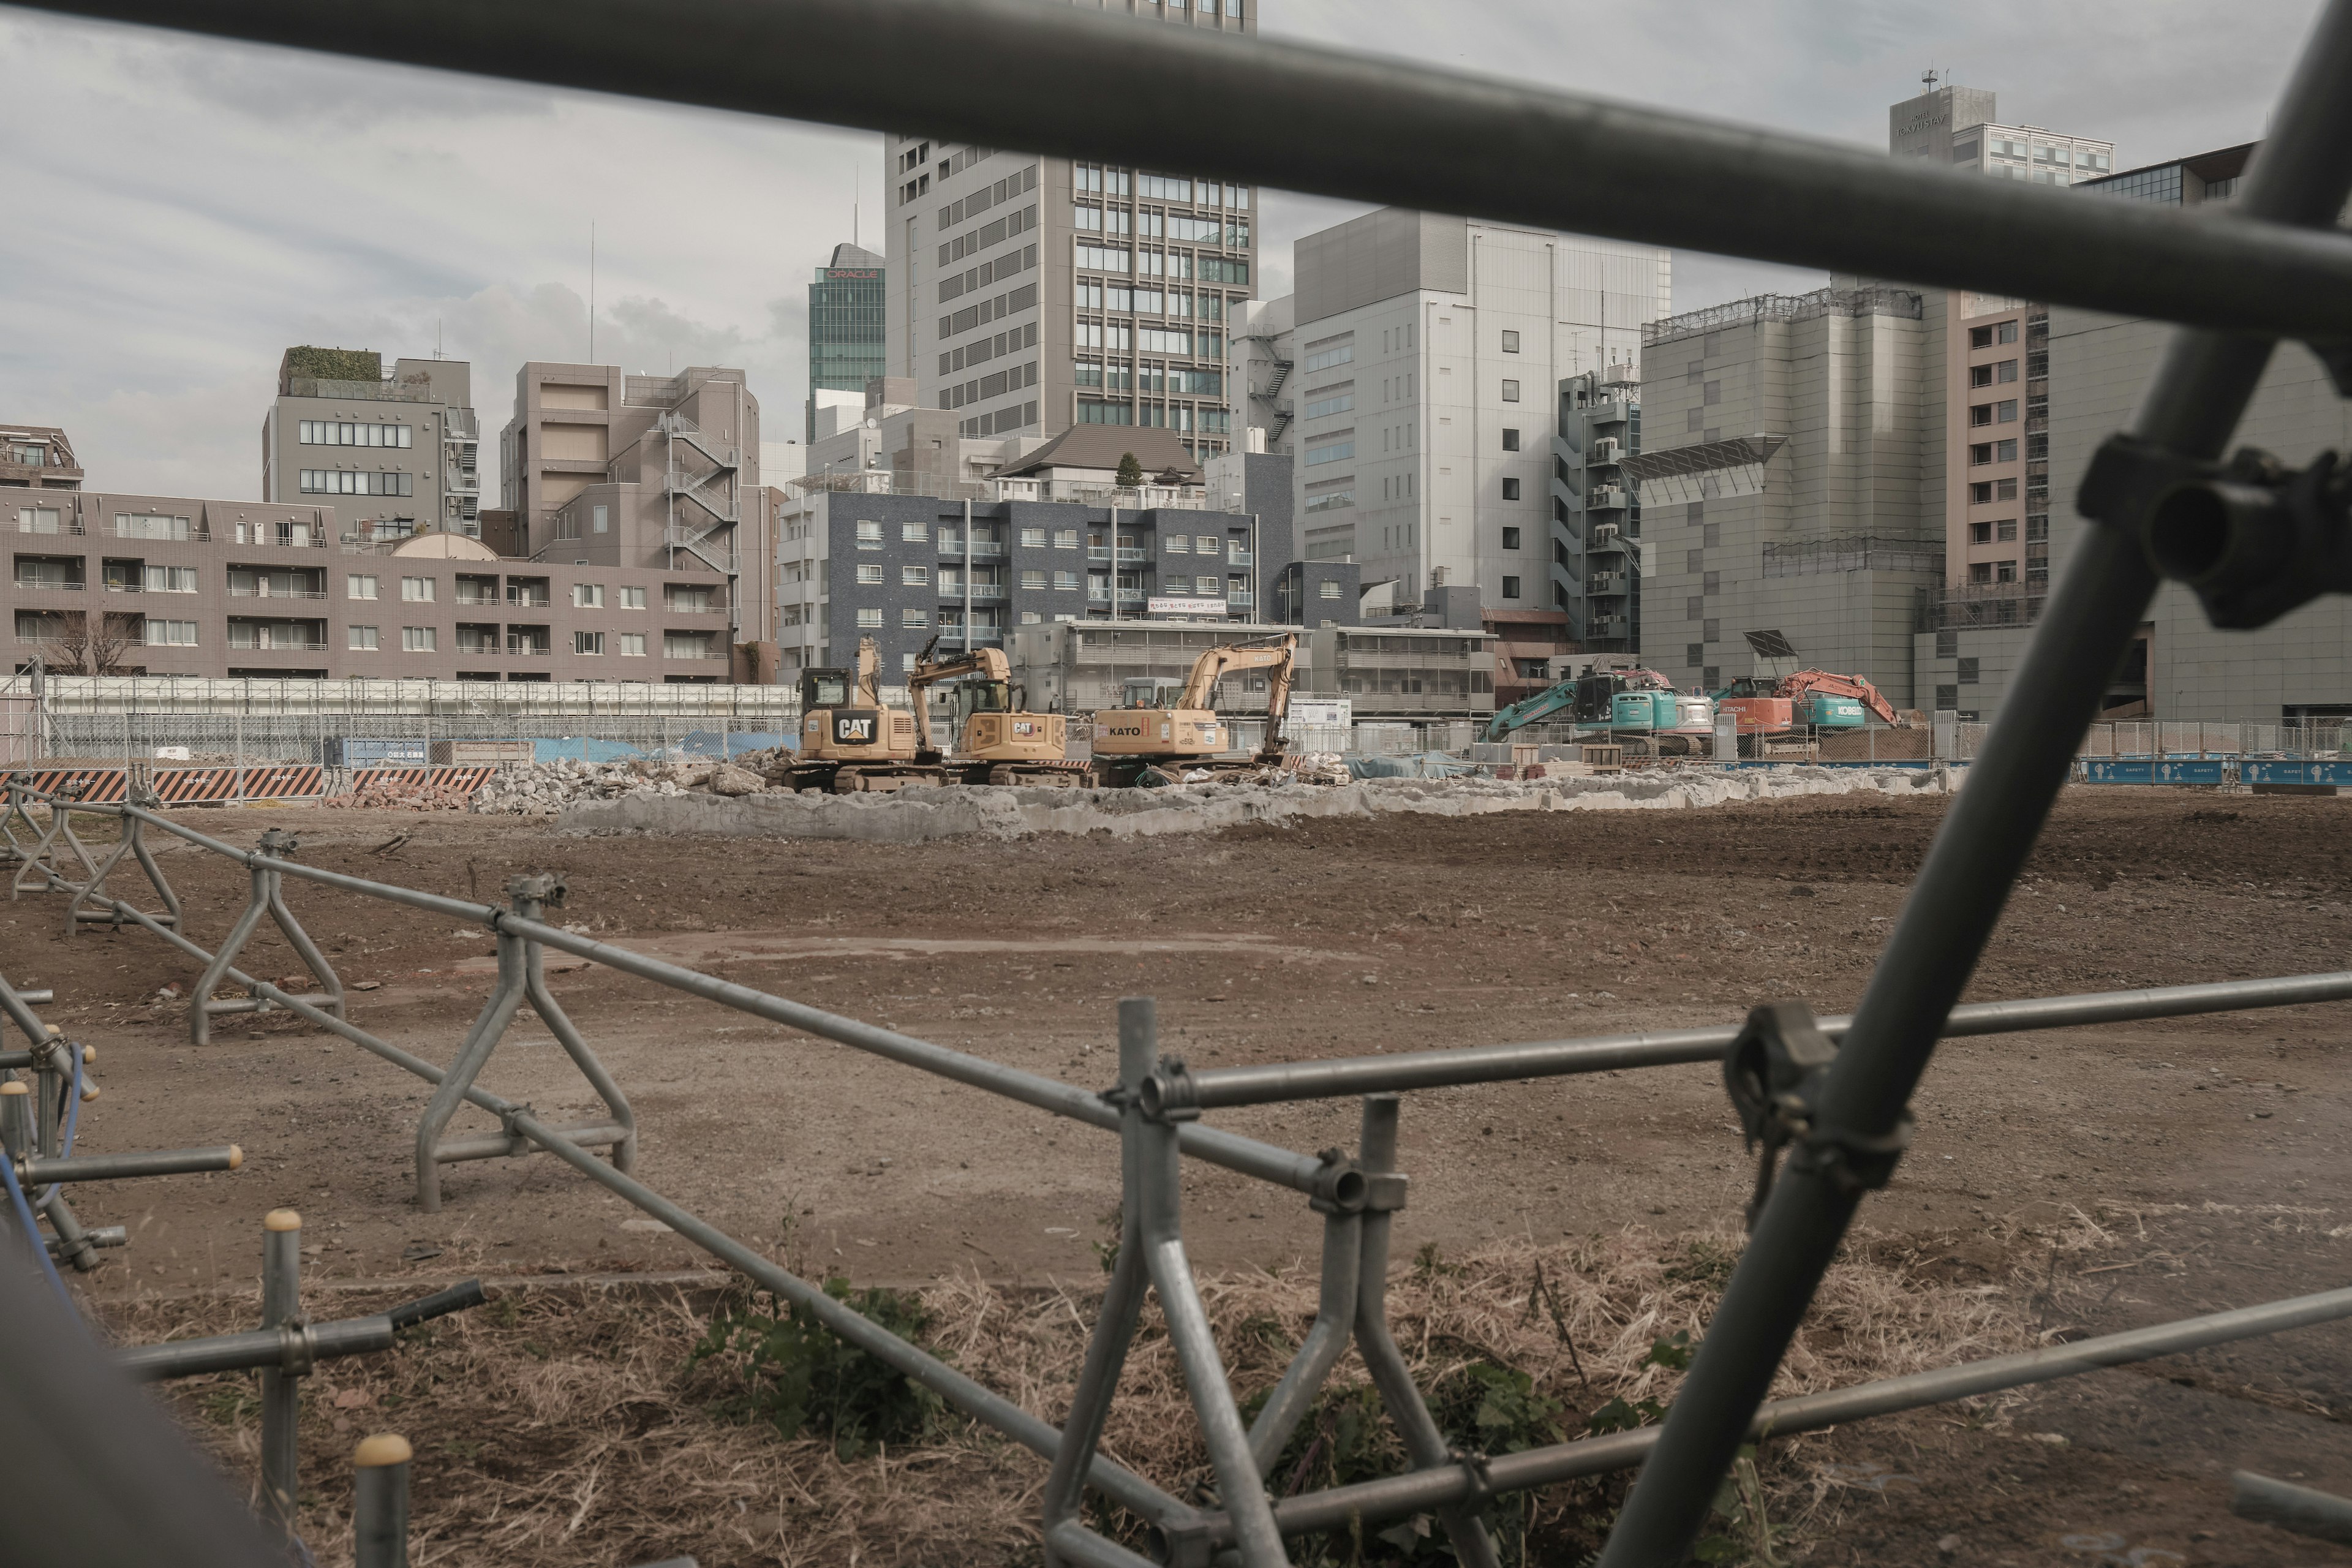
466	780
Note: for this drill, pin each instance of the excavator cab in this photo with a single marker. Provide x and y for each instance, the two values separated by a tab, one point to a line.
994	740
1150	692
1165	722
848	738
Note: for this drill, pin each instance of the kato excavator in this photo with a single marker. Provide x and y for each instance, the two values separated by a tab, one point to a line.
1175	728
1001	742
1805	698
850	741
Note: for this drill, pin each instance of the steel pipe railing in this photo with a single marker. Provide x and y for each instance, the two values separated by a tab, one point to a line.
1267	1083
1352	125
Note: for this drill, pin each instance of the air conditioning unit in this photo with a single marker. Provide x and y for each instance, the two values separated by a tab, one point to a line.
1605	450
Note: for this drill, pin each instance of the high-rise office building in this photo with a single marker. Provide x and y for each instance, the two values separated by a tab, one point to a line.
391	455
846	318
1028	294
1429	352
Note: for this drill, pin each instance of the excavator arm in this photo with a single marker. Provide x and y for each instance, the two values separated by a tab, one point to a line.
1527	710
1853	686
1218	662
988	663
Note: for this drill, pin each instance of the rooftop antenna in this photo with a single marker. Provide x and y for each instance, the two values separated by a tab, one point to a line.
1929	77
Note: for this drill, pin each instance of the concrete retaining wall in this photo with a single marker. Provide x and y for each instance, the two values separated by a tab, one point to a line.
921	815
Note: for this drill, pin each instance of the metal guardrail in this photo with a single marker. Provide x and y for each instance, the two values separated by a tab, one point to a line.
2269	265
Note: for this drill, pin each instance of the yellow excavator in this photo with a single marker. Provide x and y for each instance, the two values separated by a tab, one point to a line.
1001	742
849	741
1173	729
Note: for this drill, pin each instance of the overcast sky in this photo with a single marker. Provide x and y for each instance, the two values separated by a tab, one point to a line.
185	209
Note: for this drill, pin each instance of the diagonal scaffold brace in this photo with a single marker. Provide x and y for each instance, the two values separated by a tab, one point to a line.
132	844
522	979
268	898
40	862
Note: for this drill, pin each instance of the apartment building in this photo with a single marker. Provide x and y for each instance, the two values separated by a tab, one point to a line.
1046	537
37	458
103	583
388	455
1428	352
1997	441
1386	672
1960	126
604	468
1028	294
1790	480
846	323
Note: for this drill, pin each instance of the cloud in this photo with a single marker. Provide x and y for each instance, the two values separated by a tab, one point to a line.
185	208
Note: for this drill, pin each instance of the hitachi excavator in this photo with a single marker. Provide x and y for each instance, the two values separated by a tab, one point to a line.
849	741
1176	730
1612	700
1807	699
1000	744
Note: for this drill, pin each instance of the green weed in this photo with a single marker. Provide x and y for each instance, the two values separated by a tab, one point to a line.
785	1368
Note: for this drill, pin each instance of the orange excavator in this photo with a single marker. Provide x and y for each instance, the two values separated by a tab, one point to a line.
1807	699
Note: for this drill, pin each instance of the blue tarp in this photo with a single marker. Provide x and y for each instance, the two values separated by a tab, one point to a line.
705	742
2296	773
2188	771
1427	766
580	749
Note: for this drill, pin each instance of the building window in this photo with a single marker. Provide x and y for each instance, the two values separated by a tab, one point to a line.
600	520
2005	332
1180	544
2005	411
360	585
1980	413
1510	392
632	645
1033	581
1980	453
1511	440
182	634
914	533
1711	584
1032	618
633	598
1510	489
416	590
589	643
1510	539
1981	375
869	534
1510	587
360	639
2005	451
1032	538
1206	544
1326	589
870	616
2004	570
1980	534
1967	672
914	577
1207	587
1694	653
1511	342
418	640
913	620
2006	531
870	572
588	596
1980	572
1066	581
1066	538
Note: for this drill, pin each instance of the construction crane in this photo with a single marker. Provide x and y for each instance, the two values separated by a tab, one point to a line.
850	741
1001	742
1631	704
1162	725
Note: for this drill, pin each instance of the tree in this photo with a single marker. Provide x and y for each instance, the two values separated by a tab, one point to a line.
1130	472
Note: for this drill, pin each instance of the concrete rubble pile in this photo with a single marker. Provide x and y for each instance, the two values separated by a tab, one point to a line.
543	788
921	815
416	792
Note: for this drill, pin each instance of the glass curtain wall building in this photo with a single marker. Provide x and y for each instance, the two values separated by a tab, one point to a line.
846	330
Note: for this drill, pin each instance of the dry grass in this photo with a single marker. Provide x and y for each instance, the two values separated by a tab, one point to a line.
563	1427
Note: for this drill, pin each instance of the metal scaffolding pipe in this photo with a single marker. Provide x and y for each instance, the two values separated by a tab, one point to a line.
118	1167
271	1348
1389	1074
1350	125
1421	1492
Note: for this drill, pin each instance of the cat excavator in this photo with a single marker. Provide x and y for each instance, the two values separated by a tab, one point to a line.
1174	729
1000	744
849	741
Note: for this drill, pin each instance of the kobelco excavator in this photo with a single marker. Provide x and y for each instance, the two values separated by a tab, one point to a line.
849	741
1175	728
999	742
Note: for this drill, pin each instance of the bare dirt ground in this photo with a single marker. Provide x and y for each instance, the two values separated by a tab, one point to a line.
2206	1155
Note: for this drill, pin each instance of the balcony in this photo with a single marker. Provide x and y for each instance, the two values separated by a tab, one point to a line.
1131	557
528	649
268	591
683	607
50	529
1239	558
1239	598
983	593
48	584
528	599
1099	553
982	549
1098	596
1605	498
